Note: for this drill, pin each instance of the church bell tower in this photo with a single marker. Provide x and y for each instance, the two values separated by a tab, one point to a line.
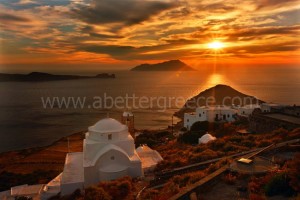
128	120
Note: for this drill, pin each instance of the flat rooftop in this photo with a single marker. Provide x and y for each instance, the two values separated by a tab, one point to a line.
73	170
258	165
287	118
24	190
245	160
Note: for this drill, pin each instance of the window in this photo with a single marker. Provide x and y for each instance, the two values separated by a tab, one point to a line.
228	115
109	136
199	115
187	120
112	157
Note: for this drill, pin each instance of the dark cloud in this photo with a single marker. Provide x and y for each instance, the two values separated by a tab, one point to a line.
92	32
265	48
219	7
287	18
254	33
127	12
131	53
161	51
105	36
7	18
268	3
181	41
113	50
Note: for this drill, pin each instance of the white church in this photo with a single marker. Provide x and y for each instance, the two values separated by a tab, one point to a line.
108	153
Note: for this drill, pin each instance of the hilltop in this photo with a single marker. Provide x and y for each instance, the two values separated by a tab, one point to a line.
40	76
222	94
171	65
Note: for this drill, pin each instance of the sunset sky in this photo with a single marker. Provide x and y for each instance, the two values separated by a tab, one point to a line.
92	34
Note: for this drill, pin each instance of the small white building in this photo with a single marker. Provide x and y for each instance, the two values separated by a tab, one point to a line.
267	107
206	138
247	109
149	158
210	114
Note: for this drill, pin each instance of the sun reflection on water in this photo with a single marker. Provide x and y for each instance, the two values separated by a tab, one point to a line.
215	79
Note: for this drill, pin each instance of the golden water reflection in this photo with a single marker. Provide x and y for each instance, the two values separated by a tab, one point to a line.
215	79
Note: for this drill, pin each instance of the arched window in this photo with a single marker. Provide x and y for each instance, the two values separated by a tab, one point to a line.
109	136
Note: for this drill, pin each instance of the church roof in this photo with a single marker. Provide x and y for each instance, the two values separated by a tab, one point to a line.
143	148
149	157
107	125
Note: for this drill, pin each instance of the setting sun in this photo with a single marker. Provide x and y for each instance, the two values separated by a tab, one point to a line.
215	45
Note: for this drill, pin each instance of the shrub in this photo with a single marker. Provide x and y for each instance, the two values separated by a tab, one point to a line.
236	139
294	172
118	189
254	185
9	179
248	143
229	179
256	197
23	198
150	194
190	137
217	144
279	185
183	129
200	126
264	143
226	129
96	193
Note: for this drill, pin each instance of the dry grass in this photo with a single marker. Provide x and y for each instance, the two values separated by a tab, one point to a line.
51	157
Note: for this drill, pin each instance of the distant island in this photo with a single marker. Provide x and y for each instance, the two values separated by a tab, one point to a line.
171	65
40	76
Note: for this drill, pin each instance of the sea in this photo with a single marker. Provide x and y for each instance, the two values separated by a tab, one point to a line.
26	122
